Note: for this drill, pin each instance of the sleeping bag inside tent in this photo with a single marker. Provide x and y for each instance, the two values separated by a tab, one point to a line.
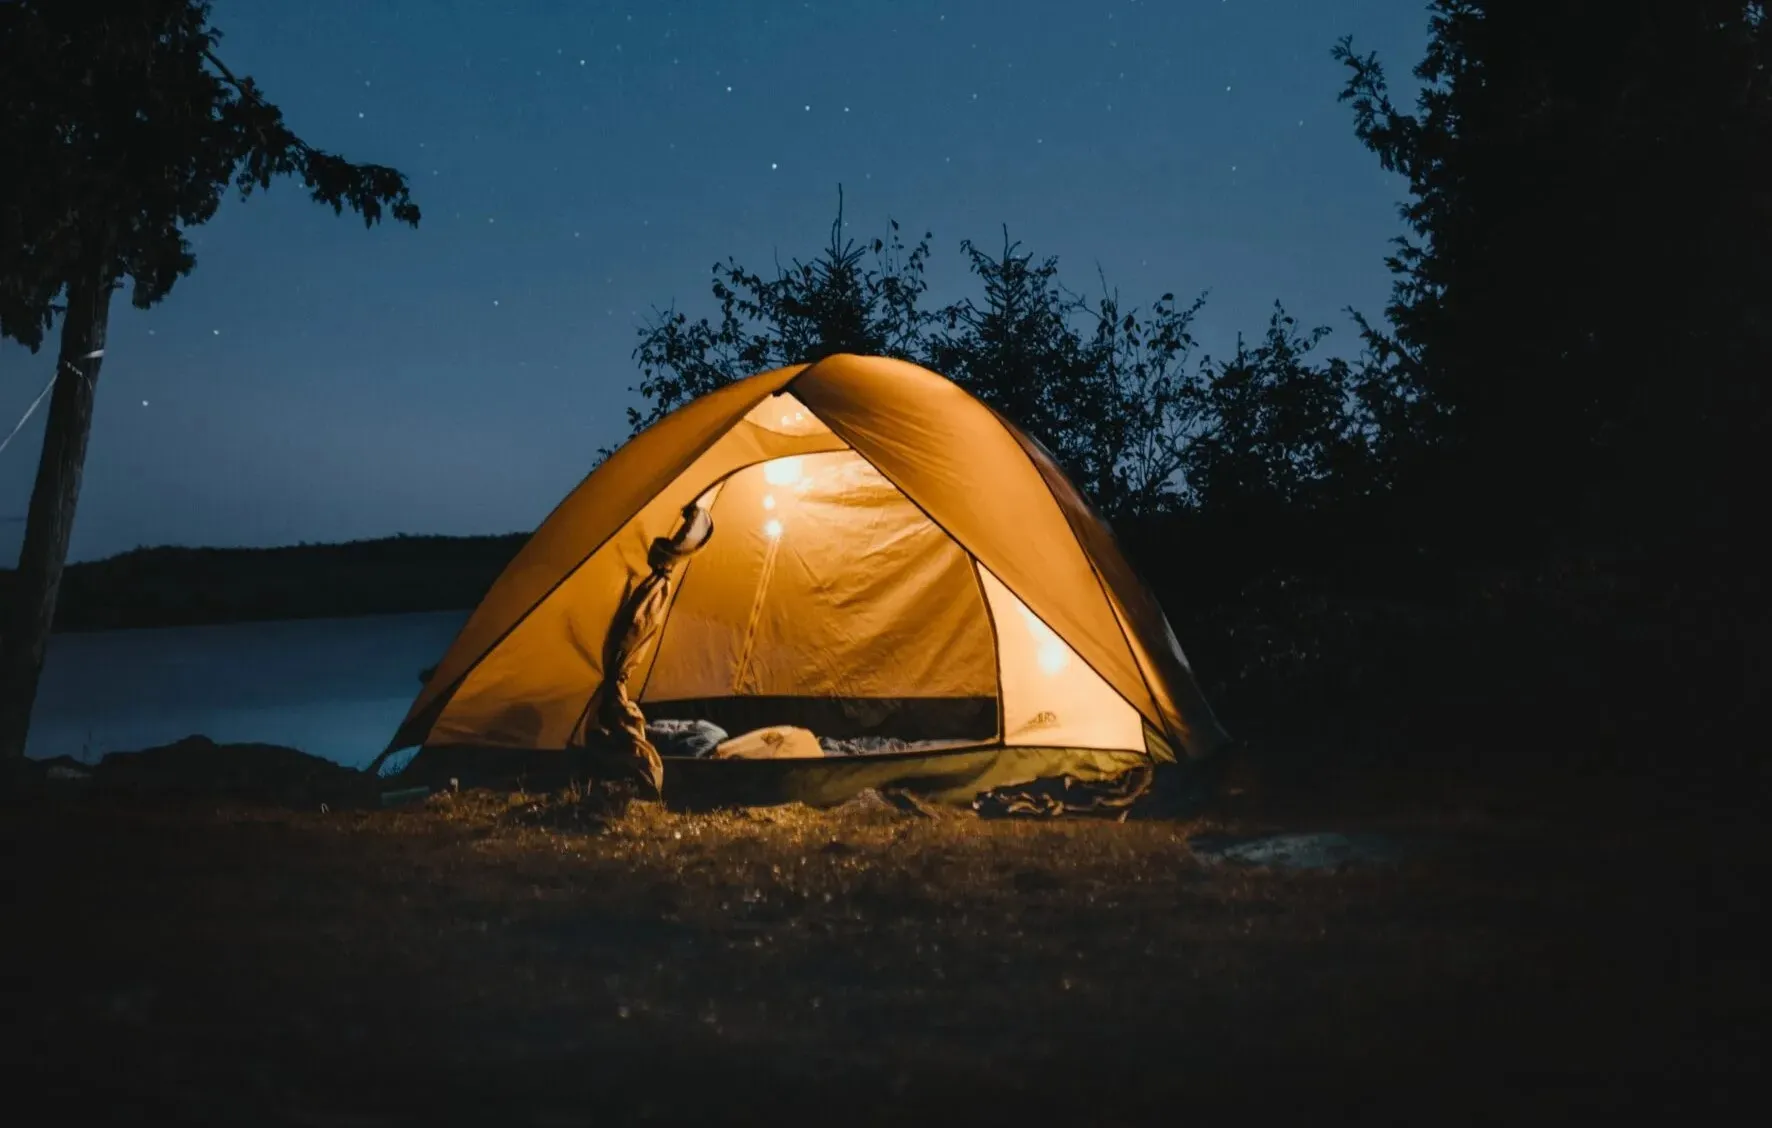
818	580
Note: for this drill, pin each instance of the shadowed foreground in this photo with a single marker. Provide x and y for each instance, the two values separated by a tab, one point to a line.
521	960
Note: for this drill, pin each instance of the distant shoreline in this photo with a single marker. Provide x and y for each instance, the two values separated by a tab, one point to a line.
180	587
397	575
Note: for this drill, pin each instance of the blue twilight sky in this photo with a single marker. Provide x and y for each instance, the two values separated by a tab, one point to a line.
579	163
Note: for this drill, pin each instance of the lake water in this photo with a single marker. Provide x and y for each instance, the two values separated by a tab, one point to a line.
332	687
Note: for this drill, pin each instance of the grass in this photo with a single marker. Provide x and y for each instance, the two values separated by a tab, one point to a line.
1572	930
493	958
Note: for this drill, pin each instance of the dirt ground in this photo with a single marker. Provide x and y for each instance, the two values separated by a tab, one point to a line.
488	958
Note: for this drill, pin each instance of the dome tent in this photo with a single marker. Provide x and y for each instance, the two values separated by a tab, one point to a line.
889	558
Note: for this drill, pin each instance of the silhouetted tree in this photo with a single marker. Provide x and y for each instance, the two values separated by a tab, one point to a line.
1107	392
1285	433
1017	346
1582	296
1115	393
1137	406
121	128
835	303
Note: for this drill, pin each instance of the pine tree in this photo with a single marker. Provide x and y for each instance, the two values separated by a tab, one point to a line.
1582	296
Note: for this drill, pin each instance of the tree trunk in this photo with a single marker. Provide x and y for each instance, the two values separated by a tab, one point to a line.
51	519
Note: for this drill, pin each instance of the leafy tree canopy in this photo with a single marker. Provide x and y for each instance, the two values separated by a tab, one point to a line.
133	130
1119	394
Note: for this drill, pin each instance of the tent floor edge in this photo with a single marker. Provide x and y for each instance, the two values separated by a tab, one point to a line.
944	778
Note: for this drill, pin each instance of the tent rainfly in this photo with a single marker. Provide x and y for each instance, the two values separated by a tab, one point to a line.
856	554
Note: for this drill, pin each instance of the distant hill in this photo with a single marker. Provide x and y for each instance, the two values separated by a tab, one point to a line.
163	587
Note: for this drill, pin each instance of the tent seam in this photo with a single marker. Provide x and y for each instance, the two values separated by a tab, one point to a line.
1094	568
996	639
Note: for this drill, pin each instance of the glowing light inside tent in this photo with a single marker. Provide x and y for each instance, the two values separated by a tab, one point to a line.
782	471
1050	652
1053	657
768	501
772	528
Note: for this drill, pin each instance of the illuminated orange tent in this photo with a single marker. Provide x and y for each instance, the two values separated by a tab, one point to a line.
888	557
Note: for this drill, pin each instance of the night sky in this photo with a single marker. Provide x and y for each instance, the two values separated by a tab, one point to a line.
581	163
